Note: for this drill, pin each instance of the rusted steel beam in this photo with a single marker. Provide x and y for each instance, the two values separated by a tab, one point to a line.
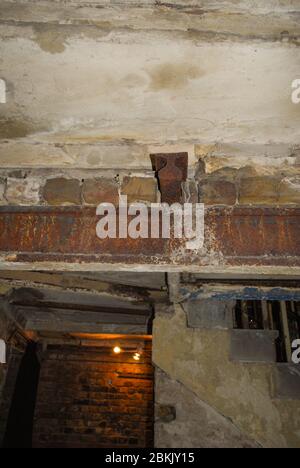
62	232
233	237
264	236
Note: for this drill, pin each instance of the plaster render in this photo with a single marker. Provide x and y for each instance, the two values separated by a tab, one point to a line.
199	360
96	85
150	88
195	423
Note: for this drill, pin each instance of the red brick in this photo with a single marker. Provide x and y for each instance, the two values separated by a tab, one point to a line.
77	407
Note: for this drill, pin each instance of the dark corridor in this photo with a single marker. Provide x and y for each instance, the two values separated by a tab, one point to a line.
19	428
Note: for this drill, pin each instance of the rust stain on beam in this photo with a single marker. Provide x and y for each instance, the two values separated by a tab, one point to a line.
264	236
62	232
236	236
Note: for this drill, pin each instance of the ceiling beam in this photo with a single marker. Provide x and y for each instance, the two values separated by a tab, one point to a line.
78	283
238	237
63	324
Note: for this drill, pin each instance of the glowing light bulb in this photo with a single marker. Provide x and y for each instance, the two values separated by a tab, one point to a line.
117	350
137	357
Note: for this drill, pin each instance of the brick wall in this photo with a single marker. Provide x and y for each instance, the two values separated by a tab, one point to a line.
89	397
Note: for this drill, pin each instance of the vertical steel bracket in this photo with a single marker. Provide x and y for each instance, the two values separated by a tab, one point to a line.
171	171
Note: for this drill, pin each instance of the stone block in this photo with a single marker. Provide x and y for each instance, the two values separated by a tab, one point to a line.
96	191
253	346
209	314
140	189
246	172
61	191
217	192
289	191
23	191
226	173
259	190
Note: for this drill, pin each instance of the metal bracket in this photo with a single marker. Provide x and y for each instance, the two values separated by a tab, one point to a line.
172	171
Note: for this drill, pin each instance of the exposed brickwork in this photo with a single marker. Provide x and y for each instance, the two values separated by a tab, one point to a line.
89	397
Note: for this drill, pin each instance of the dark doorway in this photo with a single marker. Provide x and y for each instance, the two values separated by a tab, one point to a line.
20	419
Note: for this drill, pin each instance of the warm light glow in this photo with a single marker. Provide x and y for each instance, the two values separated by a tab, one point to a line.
137	357
117	350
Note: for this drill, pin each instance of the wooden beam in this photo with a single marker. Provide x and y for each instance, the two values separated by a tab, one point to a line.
286	330
265	313
107	316
61	326
137	287
110	321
